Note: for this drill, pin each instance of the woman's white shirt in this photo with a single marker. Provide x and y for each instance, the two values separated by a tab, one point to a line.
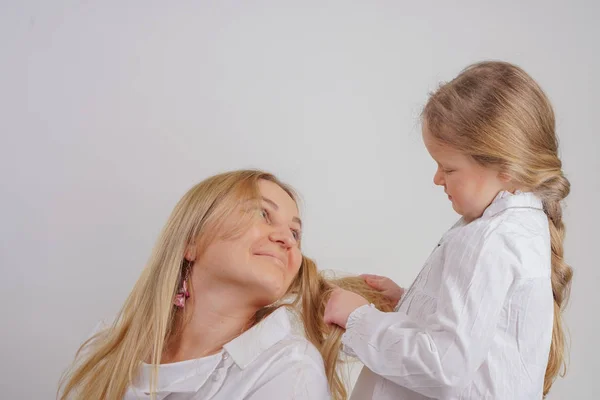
266	362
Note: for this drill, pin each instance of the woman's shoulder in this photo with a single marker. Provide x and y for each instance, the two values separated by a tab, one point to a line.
281	355
273	341
298	349
287	345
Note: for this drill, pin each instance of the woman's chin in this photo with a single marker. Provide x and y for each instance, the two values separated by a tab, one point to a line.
269	291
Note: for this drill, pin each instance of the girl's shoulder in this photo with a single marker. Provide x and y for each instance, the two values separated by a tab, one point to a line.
519	215
512	223
517	236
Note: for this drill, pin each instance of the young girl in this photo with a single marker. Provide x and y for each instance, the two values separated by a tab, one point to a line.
483	318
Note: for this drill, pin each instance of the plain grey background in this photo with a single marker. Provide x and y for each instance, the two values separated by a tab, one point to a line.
111	110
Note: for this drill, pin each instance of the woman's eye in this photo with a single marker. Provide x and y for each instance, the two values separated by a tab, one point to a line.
296	234
264	213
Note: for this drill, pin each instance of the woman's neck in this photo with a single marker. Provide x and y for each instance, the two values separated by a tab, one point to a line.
209	320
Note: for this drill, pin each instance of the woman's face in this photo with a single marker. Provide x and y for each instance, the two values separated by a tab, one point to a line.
259	264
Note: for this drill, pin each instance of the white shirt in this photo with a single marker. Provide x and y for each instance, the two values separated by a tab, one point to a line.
477	321
265	362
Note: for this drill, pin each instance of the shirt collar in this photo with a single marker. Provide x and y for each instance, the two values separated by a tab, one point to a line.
190	375
248	346
505	200
183	376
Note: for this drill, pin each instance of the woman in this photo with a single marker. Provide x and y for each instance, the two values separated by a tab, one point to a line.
205	318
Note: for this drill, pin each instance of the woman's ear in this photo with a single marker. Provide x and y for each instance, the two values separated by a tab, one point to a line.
504	177
190	252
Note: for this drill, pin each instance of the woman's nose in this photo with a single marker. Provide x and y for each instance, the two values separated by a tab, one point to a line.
283	237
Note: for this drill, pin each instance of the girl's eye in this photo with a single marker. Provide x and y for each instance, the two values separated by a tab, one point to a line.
447	171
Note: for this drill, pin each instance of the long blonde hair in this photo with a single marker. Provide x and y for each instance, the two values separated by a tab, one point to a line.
313	290
107	363
497	114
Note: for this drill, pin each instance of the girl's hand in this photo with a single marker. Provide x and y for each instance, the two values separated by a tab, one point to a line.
340	305
386	286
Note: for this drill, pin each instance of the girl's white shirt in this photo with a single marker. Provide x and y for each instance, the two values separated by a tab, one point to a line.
477	321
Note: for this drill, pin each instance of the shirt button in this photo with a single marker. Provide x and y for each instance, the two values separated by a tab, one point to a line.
225	356
215	377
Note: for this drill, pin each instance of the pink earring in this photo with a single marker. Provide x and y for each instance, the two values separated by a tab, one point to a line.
183	292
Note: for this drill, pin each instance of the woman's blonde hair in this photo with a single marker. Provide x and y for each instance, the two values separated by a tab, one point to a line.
497	114
107	363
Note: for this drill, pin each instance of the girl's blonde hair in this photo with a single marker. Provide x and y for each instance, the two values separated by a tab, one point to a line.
497	114
107	363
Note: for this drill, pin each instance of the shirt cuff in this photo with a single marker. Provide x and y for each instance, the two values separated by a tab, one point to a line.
397	307
354	330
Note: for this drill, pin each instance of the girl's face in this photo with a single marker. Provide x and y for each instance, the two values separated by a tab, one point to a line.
470	186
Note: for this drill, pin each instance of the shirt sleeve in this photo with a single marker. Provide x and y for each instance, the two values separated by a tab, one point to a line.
436	355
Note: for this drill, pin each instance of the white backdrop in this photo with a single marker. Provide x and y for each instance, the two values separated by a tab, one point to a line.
111	110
